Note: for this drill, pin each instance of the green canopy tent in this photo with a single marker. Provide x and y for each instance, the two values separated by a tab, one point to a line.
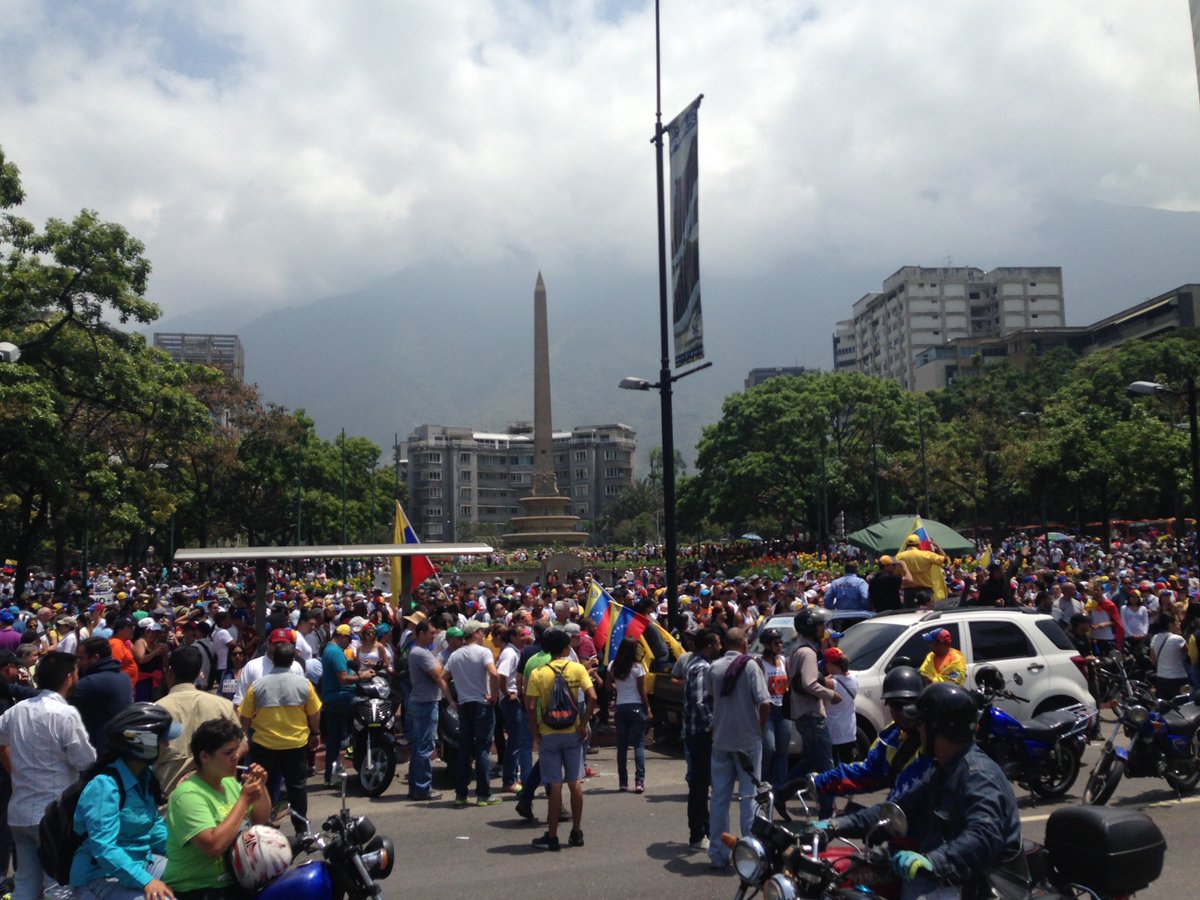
887	536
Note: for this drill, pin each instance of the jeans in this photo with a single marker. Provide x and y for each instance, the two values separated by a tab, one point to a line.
335	728
111	889
424	738
30	878
478	721
631	729
512	714
291	765
777	739
699	747
816	754
725	770
531	772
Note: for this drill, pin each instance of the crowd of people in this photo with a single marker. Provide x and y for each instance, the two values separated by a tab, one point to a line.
154	687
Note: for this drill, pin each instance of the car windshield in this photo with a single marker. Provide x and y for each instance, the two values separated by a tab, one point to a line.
865	642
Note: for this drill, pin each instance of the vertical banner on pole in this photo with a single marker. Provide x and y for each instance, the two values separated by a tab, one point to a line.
1196	37
685	235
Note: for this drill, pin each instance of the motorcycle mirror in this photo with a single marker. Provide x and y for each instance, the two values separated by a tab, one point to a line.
280	813
892	818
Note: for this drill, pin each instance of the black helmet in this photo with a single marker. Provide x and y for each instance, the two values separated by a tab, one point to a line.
768	635
135	731
902	684
989	679
948	710
809	619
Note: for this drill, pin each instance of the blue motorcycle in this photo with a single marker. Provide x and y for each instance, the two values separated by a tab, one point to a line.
1163	740
1041	755
354	860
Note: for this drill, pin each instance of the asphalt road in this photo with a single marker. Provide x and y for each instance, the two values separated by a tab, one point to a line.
636	846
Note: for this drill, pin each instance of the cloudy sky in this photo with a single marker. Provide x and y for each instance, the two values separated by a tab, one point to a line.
270	153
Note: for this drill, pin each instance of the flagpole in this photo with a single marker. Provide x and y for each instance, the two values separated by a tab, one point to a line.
670	550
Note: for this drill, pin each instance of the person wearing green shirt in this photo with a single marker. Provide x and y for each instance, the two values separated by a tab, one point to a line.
206	812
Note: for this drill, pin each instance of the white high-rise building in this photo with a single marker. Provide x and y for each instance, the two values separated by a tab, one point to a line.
921	308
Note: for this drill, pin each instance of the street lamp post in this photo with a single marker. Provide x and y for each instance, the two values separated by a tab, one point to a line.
1189	391
1035	419
663	386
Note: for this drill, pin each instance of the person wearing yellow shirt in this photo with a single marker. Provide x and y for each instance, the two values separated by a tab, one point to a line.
285	712
925	568
944	662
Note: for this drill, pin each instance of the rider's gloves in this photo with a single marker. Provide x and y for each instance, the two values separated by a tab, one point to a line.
825	825
908	864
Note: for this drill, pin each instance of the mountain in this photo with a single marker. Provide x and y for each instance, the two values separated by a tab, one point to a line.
451	342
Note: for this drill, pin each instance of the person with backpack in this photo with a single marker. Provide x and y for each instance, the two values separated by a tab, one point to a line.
559	729
122	837
45	747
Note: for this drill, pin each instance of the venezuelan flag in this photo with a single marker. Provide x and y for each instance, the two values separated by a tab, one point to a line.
407	571
627	624
599	609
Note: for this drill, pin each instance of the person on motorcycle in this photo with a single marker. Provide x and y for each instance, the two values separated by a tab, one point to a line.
944	663
962	816
895	760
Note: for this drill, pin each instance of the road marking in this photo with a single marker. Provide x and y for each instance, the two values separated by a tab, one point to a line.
1161	804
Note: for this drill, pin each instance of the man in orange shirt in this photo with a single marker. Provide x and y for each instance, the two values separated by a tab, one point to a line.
122	647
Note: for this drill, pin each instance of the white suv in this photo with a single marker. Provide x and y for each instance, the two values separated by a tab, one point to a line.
1037	658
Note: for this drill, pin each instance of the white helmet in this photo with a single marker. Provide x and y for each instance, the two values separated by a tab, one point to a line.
258	855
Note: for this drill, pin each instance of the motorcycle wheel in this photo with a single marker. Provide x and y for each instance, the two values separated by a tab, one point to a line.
377	777
1188	782
1103	781
1058	776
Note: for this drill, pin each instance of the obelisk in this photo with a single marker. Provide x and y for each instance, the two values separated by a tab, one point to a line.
544	520
545	484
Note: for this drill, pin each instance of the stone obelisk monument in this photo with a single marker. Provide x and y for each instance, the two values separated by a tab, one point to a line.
543	519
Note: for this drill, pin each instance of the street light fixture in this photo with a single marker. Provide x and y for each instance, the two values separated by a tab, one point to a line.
1189	391
671	550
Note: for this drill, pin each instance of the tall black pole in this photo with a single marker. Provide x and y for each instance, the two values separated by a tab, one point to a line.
1191	399
664	374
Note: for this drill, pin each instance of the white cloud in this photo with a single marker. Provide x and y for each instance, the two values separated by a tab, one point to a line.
271	152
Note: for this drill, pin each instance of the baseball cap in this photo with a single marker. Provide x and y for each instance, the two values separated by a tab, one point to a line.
834	655
341	629
284	636
937	636
472	626
886	560
6	617
454	632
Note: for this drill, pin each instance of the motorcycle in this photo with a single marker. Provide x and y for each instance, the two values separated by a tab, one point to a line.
1041	755
373	737
354	859
1163	740
764	853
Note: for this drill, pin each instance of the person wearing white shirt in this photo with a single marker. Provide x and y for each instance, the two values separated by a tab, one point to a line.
256	669
46	747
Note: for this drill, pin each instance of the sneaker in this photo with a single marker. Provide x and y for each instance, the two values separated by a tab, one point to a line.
575	839
589	772
548	843
460	802
426	798
513	788
623	788
639	787
699	845
487	801
525	810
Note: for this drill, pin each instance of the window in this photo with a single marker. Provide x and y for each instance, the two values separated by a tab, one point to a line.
434	512
612	472
580	456
581	509
465	512
432	493
581	474
433	529
431	475
464	493
464	459
611	490
464	475
433	457
580	490
999	640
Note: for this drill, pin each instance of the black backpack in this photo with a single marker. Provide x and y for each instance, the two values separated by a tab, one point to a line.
57	838
563	709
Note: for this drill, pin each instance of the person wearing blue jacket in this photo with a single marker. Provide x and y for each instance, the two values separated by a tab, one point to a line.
125	839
